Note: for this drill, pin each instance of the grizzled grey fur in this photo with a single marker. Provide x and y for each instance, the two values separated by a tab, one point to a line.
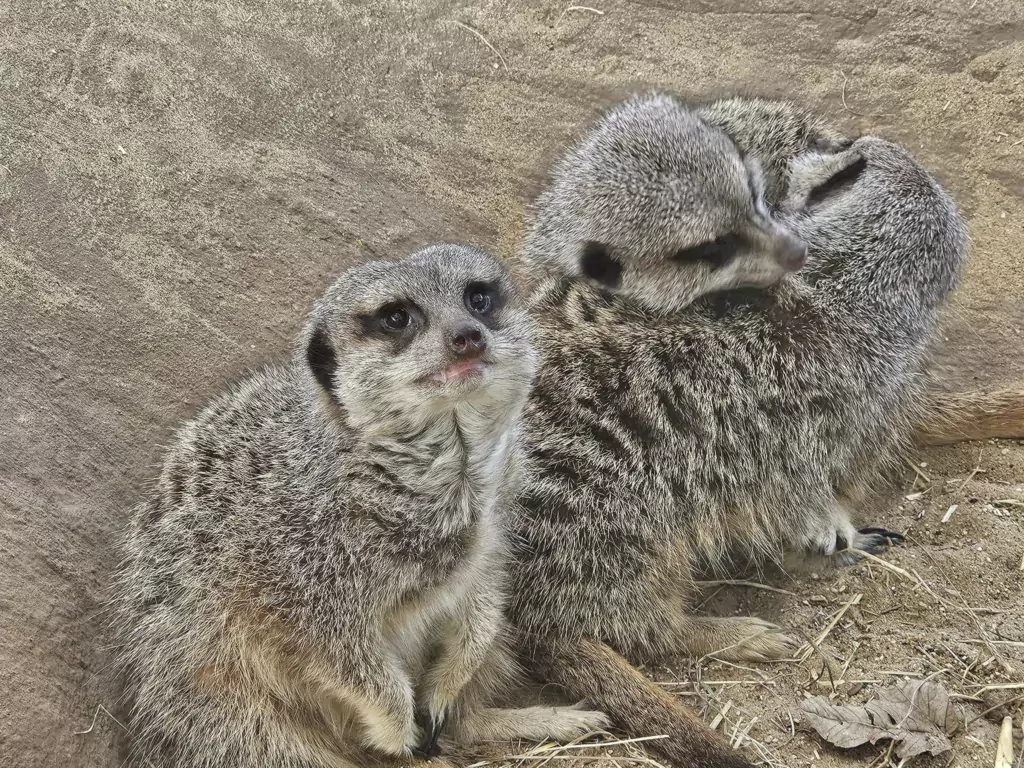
773	133
320	571
650	200
675	428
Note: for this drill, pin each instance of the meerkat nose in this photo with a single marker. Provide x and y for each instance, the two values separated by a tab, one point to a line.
790	252
467	342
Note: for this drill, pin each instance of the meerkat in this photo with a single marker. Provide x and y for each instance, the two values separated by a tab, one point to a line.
697	399
318	577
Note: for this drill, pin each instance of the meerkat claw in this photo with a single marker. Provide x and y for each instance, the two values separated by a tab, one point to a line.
892	536
873	541
432	725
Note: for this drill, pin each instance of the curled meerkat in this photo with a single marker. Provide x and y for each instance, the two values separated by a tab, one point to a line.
671	194
775	132
320	571
699	401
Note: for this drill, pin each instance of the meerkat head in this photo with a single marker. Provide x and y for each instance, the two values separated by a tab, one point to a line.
412	337
871	198
657	204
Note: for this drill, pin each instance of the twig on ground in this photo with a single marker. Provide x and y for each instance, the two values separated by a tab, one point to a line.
602	744
721	715
965	608
586	8
1004	747
975	471
802	655
92	725
742	583
913	466
993	708
485	42
885	564
847	106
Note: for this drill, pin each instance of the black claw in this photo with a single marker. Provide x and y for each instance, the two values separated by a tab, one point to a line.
429	747
427	752
897	538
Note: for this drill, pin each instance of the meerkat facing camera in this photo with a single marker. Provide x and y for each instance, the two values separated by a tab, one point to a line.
319	574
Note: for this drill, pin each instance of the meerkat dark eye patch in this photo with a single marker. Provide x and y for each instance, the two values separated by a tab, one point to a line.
715	253
599	265
482	298
838	182
321	359
391	318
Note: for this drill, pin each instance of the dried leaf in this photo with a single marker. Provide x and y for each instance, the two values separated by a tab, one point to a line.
916	714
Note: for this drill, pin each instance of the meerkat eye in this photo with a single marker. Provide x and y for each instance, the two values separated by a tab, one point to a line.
479	298
715	253
393	318
597	263
822	144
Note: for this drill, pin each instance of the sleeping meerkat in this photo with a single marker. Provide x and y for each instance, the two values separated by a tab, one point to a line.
320	570
661	186
774	133
671	430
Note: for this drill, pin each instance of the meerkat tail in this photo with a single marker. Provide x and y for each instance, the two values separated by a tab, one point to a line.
962	416
590	669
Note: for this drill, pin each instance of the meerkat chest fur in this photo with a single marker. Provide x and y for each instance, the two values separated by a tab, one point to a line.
455	463
461	463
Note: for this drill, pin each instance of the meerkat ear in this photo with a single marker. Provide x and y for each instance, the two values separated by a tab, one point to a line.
825	145
599	265
321	359
841	179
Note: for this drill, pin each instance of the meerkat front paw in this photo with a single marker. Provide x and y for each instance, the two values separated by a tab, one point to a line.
568	723
834	536
874	541
394	737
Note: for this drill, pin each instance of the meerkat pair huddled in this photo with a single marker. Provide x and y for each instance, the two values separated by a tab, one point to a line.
320	570
669	431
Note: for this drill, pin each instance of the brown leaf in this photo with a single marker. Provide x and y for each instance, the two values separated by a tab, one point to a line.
916	714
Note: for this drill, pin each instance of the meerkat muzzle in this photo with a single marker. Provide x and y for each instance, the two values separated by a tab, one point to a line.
790	252
467	342
463	369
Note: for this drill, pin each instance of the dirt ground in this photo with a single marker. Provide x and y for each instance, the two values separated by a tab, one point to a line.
178	181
